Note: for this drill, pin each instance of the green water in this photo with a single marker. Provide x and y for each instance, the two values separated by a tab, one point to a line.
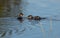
1	7
9	8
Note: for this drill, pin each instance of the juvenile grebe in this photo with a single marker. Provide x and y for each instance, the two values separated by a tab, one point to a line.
30	17
21	14
38	18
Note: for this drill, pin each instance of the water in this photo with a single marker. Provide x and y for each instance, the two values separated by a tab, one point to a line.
10	27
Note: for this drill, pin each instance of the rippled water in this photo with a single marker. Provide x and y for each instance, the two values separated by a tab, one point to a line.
10	27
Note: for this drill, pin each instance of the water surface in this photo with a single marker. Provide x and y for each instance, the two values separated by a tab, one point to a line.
48	28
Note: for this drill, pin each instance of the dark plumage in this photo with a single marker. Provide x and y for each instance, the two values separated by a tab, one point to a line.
37	18
21	14
20	18
30	17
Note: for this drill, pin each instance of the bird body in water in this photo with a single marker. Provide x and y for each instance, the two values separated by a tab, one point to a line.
20	18
29	17
38	18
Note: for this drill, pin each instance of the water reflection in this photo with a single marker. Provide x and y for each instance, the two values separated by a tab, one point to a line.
10	8
10	26
4	33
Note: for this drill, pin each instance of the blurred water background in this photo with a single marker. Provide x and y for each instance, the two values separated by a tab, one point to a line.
10	27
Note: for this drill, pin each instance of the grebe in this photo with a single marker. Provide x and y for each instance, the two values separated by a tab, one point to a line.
38	18
30	17
20	17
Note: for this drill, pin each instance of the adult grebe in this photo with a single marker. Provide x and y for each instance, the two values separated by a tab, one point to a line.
20	17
